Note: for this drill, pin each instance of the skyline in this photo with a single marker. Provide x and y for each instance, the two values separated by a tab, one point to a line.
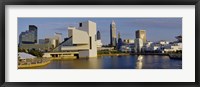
156	28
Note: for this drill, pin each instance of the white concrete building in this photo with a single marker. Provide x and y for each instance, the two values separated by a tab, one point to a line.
173	47
155	47
99	43
127	47
81	39
147	46
163	42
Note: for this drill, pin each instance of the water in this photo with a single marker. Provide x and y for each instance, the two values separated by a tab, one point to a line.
118	62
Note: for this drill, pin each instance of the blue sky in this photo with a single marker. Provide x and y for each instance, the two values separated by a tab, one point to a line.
156	28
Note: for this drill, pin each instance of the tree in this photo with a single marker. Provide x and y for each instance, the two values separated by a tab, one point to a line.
35	52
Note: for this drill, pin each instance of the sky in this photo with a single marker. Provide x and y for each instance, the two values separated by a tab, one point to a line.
156	28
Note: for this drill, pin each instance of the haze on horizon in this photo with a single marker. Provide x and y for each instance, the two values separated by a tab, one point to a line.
156	28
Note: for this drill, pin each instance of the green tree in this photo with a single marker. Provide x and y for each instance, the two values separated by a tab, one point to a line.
35	52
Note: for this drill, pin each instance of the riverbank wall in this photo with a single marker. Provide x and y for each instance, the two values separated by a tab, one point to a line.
29	65
120	54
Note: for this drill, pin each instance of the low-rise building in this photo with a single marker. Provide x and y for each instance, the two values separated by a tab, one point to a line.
173	47
127	48
128	41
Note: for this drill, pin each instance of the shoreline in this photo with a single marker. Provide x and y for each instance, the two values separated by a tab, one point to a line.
149	54
29	66
127	54
120	54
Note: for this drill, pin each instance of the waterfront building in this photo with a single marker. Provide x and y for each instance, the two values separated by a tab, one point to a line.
99	43
47	44
179	38
120	43
128	41
29	36
147	46
81	40
58	36
113	40
173	47
138	45
28	40
47	40
127	47
141	34
54	42
156	47
163	46
163	42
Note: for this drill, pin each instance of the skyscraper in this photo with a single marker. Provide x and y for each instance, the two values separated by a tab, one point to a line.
119	44
98	35
142	35
113	40
29	36
99	43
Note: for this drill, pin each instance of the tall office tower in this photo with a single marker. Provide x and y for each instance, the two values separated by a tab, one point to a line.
33	28
29	36
98	35
142	35
119	44
113	40
99	43
58	36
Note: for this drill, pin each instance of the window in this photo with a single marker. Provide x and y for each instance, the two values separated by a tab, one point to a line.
80	24
90	42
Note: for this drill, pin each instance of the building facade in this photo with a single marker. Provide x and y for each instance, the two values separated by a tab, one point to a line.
128	41
141	34
138	45
98	35
113	40
99	43
58	36
29	36
81	40
120	43
41	41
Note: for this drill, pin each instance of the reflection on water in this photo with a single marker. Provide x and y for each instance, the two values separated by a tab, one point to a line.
118	62
139	62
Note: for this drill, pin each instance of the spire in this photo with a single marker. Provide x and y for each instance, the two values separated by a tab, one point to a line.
113	22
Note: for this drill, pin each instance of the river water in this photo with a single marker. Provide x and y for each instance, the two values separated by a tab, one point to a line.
118	62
